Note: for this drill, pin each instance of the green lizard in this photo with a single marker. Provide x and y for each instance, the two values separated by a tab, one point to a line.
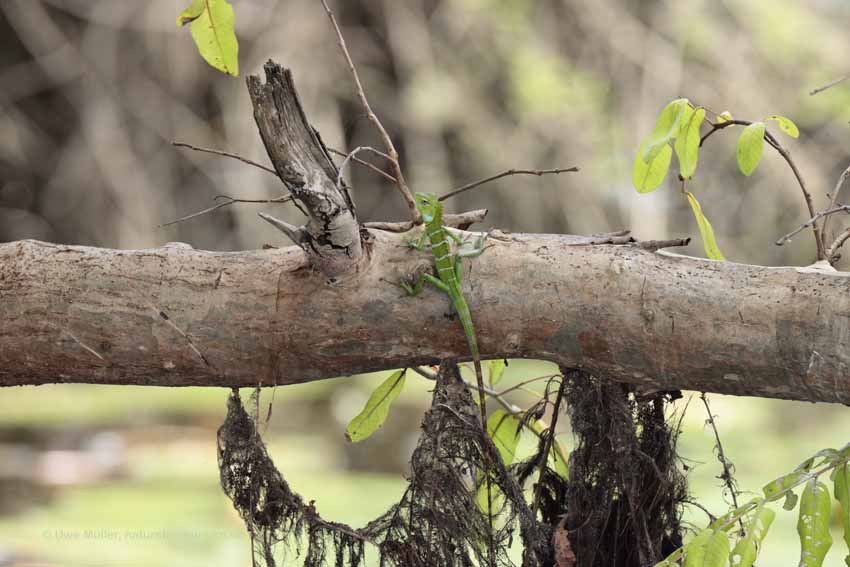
449	272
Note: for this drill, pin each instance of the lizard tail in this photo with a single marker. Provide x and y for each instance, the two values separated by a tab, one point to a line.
472	343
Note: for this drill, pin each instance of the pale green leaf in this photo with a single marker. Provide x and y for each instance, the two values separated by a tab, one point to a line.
671	560
841	487
747	549
786	125
376	409
496	369
687	143
496	496
813	524
504	430
666	128
790	501
705	230
695	549
558	454
750	145
724	116
716	550
191	13
782	483
211	24
647	177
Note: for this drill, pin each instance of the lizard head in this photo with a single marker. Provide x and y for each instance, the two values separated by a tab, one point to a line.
428	205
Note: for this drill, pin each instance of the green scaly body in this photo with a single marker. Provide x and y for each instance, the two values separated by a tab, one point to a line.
449	274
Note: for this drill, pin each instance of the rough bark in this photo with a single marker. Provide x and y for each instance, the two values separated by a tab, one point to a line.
331	237
176	316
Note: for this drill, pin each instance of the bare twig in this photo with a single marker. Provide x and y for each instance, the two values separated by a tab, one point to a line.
373	118
474	184
225	154
774	143
455	220
228	201
547	445
364	163
727	475
350	156
836	244
829	85
808	223
833	198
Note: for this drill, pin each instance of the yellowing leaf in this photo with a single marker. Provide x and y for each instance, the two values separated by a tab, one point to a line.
687	144
647	177
211	24
705	230
496	369
813	524
376	409
786	125
750	146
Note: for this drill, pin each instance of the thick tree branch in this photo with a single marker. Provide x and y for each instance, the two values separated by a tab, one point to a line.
78	314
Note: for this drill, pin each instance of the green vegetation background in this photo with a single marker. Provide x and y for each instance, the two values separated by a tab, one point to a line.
92	93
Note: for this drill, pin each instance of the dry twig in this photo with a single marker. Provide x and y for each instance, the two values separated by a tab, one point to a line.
474	184
774	143
373	118
226	154
829	85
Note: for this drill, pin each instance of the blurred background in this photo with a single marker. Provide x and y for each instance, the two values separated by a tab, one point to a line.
93	92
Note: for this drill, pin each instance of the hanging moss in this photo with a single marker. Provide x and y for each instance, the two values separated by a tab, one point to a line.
623	501
436	522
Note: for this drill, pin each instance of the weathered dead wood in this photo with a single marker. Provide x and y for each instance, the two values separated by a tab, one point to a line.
176	316
331	238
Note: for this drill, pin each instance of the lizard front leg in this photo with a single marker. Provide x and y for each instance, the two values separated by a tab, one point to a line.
413	287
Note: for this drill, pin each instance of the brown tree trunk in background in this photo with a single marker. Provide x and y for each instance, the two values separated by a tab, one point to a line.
176	316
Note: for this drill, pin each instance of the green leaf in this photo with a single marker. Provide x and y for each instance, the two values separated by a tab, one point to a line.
813	524
504	430
561	466
211	24
747	549
716	550
687	143
557	454
782	483
786	125
495	370
695	550
666	128
647	177
841	487
376	409
705	230
750	146
790	501
191	13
